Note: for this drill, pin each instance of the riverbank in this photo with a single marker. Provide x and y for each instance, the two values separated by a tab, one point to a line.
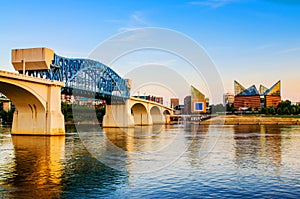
246	120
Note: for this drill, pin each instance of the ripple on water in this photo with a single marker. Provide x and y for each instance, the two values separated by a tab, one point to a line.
231	162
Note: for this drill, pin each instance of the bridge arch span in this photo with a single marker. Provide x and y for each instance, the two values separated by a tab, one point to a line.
157	115
136	111
166	112
140	114
21	94
37	102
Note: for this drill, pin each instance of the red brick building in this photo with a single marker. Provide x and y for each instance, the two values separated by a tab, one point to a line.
247	102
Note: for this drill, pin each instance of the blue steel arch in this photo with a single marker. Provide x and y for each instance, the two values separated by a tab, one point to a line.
85	75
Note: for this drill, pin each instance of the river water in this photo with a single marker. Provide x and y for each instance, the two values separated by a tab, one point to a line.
178	161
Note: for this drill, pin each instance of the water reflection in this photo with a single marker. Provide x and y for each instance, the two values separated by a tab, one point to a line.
158	161
257	144
86	177
38	167
138	139
131	149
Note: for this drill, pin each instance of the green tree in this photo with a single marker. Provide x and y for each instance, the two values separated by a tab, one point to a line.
293	110
286	111
230	108
265	111
271	110
217	108
7	117
82	112
279	111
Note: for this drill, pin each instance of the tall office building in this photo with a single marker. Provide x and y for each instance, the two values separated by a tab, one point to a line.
187	105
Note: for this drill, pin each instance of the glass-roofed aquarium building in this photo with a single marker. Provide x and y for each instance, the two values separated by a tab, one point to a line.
253	98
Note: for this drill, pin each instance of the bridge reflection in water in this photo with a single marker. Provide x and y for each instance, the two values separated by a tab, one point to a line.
38	166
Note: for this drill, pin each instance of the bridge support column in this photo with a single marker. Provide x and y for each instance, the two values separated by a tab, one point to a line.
143	119
31	118
167	119
118	115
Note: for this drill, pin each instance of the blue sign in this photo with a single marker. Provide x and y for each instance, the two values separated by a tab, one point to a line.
198	106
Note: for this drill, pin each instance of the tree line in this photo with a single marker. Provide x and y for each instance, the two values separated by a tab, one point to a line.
82	113
71	112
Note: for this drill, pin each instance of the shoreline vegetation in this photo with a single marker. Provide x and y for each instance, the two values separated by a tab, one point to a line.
253	120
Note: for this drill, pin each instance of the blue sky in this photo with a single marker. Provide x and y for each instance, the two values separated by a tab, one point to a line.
250	41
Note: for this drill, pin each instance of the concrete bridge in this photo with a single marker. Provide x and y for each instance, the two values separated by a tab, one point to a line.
37	101
43	75
136	111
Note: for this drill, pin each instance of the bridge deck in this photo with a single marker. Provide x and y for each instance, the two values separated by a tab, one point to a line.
27	78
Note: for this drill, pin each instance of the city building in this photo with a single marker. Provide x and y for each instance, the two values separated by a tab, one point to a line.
195	103
207	104
228	98
198	101
187	105
6	104
67	98
253	98
159	100
174	102
179	110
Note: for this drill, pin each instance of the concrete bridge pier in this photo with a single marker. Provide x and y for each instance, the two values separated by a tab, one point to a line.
32	119
118	115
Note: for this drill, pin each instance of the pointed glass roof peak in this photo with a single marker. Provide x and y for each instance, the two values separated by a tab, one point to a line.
274	90
196	94
252	90
238	88
262	89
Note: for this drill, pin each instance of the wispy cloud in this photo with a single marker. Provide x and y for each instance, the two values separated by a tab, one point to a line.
137	17
212	3
290	50
267	46
134	21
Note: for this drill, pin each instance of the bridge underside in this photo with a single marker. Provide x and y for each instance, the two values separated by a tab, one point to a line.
38	110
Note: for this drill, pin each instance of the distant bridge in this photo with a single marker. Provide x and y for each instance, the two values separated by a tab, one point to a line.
42	77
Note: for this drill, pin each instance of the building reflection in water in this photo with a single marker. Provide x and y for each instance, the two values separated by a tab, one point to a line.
134	148
38	166
260	144
195	137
